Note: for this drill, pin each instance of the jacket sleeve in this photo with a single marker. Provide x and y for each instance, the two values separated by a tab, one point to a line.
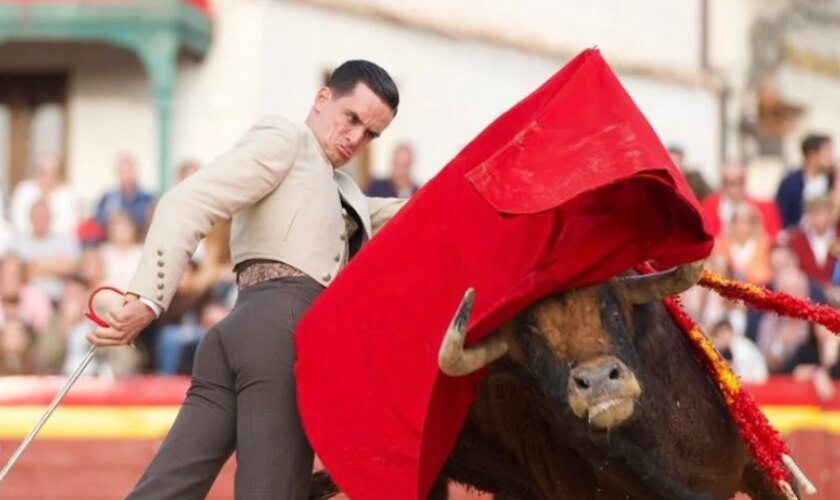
382	210
238	178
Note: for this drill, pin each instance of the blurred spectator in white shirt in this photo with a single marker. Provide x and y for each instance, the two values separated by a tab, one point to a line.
121	251
46	185
741	353
49	256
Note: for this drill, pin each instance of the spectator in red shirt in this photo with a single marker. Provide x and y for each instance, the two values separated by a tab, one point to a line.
719	207
814	241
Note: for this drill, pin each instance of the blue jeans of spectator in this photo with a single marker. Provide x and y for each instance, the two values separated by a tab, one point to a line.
171	343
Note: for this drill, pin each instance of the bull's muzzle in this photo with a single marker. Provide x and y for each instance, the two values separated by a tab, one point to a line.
604	391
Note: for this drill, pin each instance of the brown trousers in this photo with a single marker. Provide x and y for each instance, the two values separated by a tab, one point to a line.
242	398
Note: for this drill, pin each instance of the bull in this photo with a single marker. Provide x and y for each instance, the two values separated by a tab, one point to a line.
593	393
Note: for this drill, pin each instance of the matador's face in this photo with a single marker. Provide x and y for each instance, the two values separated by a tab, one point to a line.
344	125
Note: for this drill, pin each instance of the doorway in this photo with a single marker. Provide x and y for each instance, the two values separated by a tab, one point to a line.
33	122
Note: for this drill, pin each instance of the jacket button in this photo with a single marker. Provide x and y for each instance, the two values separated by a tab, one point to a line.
343	237
160	286
160	263
160	275
337	258
160	253
326	277
160	298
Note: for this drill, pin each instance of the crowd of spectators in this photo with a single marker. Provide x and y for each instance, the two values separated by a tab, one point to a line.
52	256
788	244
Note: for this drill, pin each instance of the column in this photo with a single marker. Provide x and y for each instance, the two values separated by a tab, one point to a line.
159	56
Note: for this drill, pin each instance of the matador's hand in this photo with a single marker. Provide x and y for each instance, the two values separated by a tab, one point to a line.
124	325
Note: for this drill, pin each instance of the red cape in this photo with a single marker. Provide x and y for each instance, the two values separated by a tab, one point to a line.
569	187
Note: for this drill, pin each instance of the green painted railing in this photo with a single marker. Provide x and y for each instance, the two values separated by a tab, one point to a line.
156	30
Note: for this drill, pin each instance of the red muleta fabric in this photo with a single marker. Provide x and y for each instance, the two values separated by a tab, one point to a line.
568	188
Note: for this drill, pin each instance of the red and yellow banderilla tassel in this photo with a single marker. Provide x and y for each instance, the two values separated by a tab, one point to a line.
780	303
770	452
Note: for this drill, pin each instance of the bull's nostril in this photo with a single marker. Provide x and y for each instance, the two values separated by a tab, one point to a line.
614	374
581	383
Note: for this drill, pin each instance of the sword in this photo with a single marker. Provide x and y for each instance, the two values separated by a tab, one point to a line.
91	314
55	402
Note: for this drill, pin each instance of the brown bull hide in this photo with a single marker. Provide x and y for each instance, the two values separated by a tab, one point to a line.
530	432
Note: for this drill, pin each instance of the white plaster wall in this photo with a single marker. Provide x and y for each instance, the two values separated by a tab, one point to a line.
219	97
109	109
685	116
662	32
729	48
269	56
820	96
730	51
450	89
110	112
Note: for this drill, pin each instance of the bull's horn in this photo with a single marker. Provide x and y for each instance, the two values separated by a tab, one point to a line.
454	359
800	477
648	288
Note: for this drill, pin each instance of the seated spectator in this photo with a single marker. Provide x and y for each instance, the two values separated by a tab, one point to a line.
49	256
121	251
17	356
400	183
46	186
127	197
215	268
780	337
820	349
707	307
815	360
7	236
73	326
745	246
781	258
91	267
719	207
740	352
693	177
815	178
21	300
178	325
212	313
60	338
814	242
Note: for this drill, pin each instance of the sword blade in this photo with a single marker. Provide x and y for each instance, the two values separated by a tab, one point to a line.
55	402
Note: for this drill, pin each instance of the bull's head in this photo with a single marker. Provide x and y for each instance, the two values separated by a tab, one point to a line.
585	334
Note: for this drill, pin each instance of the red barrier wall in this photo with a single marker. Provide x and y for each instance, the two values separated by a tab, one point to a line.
97	444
